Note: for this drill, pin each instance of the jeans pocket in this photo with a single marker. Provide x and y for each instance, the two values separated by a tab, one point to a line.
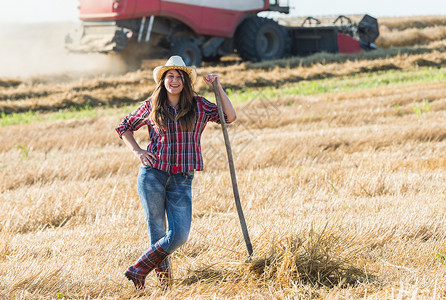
147	167
189	175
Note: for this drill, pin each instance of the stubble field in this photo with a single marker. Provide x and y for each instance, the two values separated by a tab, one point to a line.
340	163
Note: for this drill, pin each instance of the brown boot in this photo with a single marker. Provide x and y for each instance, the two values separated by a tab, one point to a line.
146	263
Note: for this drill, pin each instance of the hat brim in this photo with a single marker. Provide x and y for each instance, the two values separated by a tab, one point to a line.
159	71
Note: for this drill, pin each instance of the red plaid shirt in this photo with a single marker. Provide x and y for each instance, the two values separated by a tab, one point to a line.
176	151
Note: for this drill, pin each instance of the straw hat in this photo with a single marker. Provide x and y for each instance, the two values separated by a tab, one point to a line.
174	62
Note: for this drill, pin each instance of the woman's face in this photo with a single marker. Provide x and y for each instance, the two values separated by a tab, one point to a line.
173	82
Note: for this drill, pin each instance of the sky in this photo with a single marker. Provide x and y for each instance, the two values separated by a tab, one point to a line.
66	10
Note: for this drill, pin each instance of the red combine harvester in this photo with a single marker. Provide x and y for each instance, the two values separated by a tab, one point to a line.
200	30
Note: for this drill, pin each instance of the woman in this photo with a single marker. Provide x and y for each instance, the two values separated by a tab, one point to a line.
175	116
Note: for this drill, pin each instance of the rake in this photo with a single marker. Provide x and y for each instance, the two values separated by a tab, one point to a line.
232	170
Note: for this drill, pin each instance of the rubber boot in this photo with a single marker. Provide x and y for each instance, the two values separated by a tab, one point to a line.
164	274
146	263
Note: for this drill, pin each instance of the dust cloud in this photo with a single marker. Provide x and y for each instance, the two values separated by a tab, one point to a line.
38	50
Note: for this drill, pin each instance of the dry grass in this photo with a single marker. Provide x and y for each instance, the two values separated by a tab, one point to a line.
402	23
124	90
343	195
411	36
405	31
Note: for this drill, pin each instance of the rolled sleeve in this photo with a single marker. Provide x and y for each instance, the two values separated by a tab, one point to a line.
134	120
211	111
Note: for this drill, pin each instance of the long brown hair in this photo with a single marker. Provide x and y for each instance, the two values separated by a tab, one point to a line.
186	106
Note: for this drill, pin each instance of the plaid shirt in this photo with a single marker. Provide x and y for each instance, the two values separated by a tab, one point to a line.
176	151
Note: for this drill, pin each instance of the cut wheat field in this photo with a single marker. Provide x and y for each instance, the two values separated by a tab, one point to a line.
341	168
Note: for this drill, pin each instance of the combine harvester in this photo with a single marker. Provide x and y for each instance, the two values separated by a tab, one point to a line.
200	30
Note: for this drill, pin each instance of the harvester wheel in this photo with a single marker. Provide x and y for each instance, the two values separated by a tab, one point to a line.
260	39
188	50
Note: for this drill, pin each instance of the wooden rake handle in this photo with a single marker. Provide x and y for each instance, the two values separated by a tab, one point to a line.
232	170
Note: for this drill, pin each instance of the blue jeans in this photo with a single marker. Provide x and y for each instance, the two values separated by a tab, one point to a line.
165	194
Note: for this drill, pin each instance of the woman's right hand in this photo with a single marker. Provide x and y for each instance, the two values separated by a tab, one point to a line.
147	158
